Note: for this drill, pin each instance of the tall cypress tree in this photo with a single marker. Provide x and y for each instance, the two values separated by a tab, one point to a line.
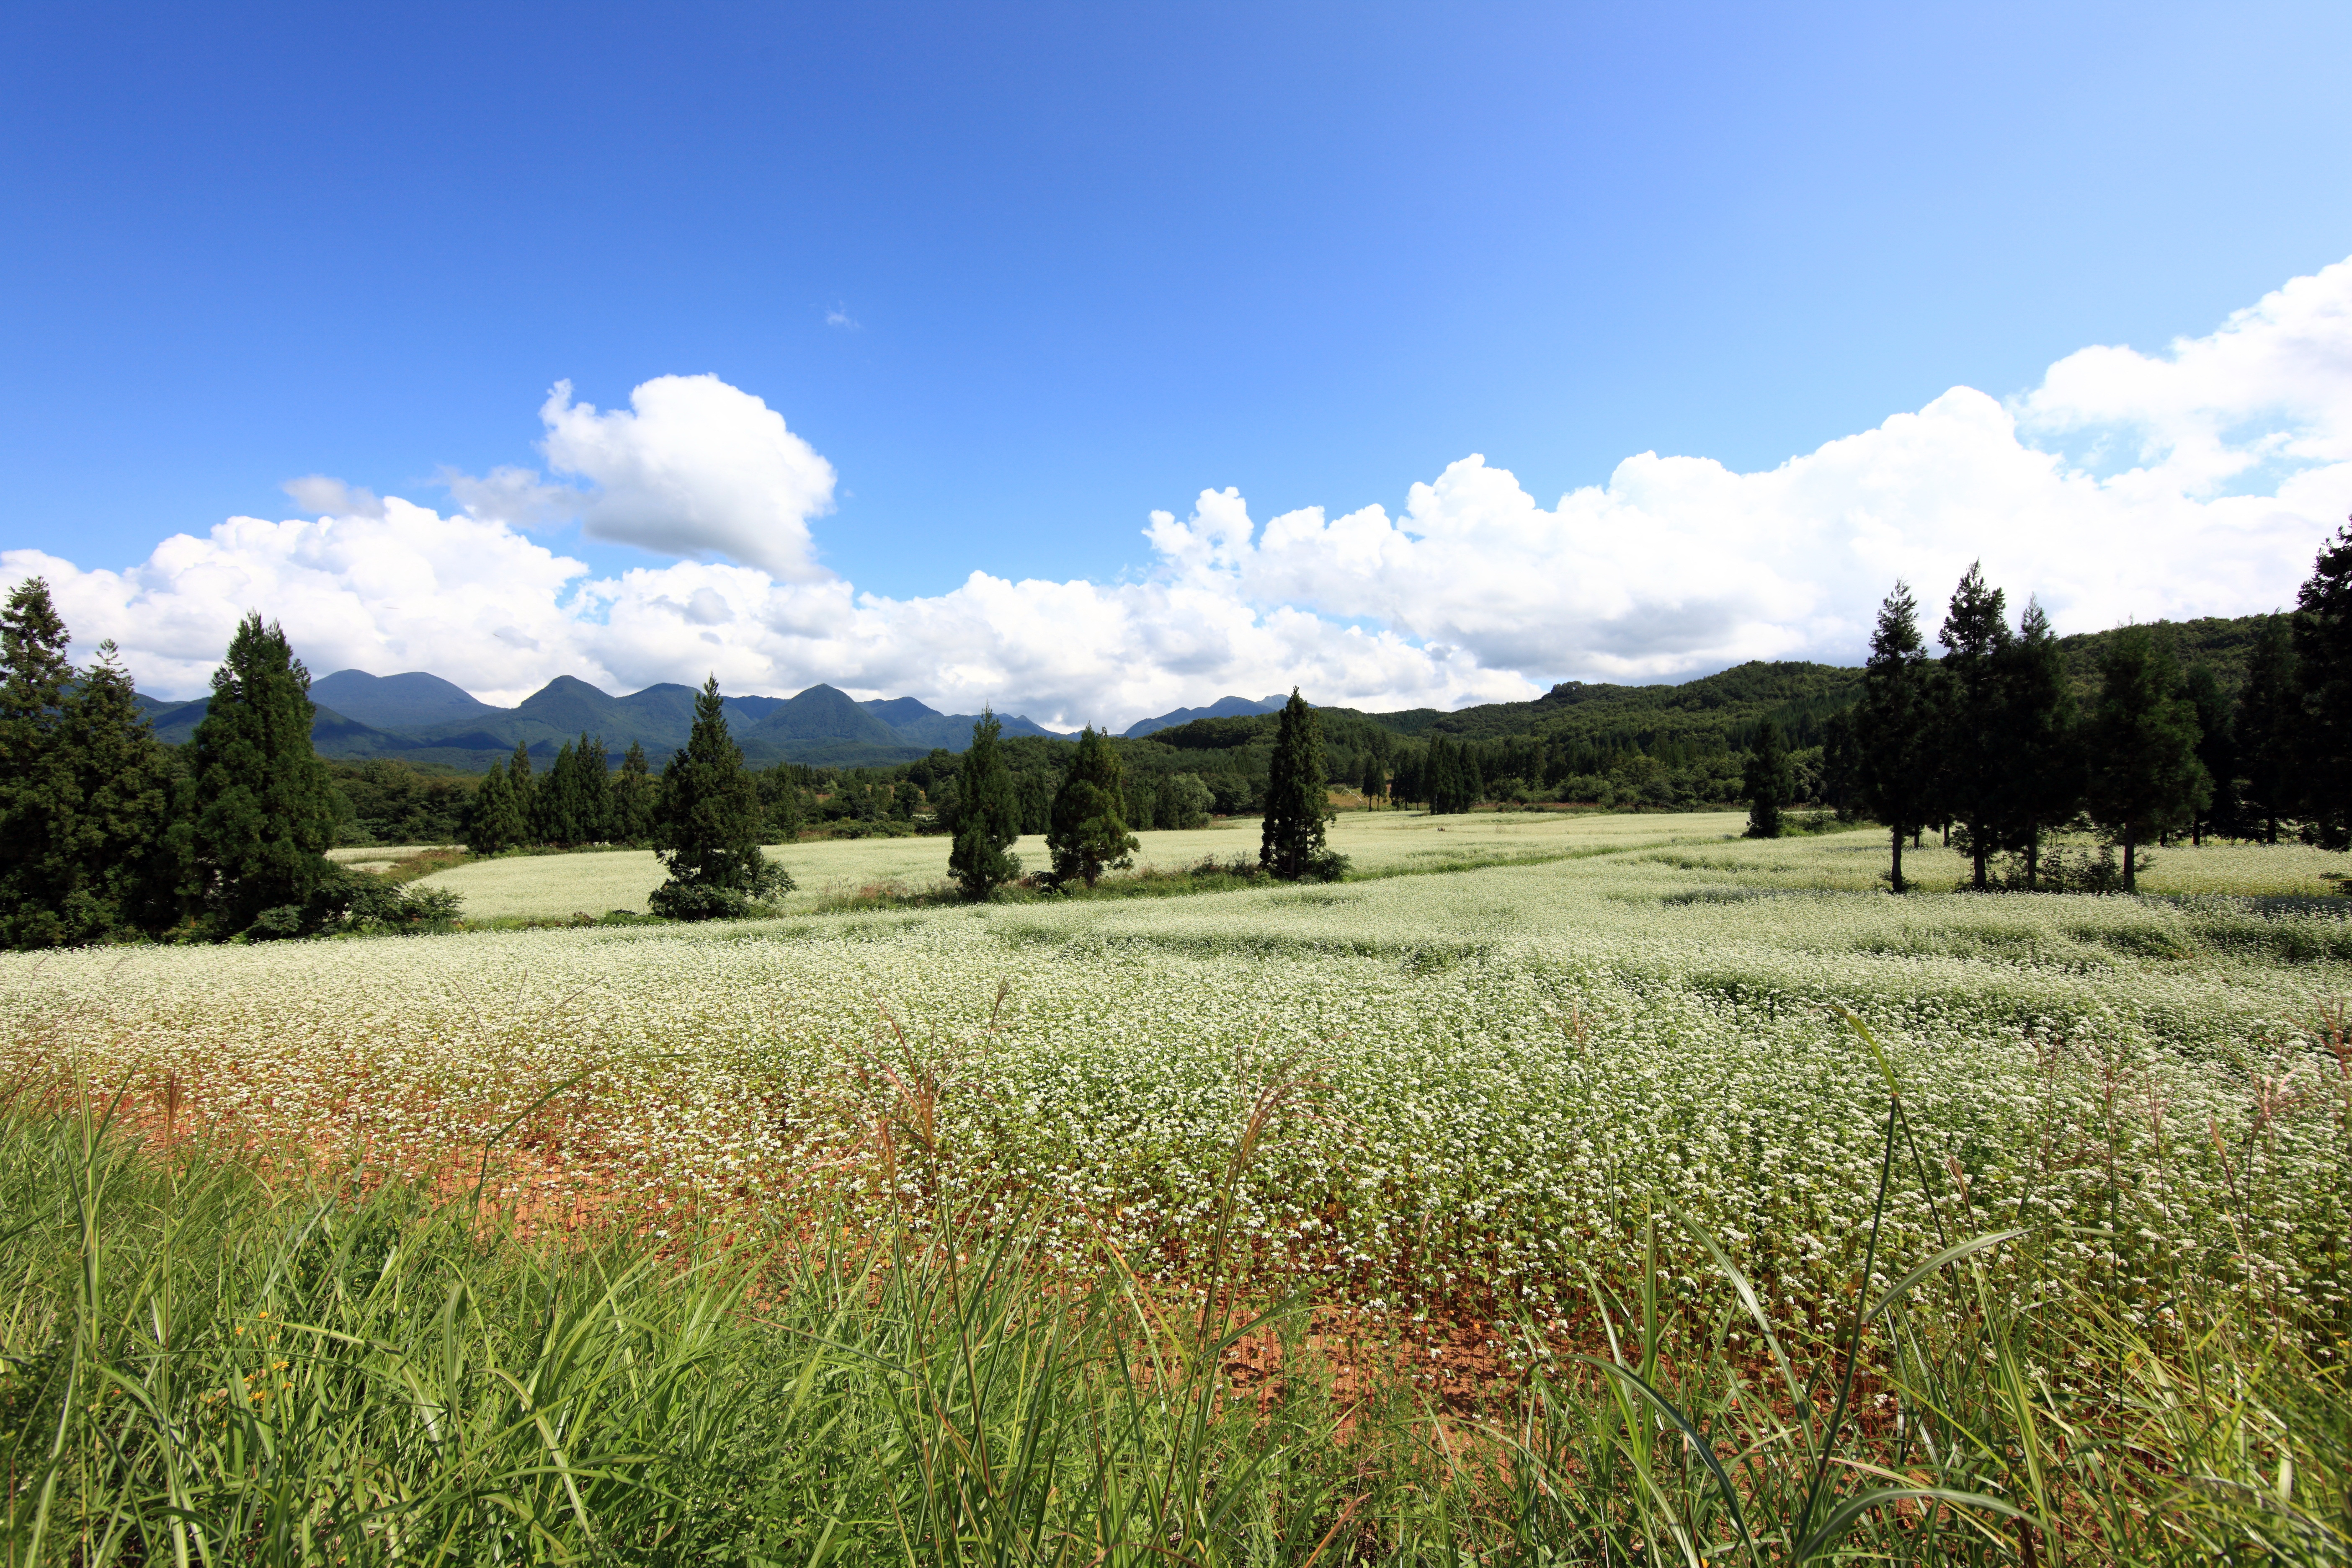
1894	727
1088	835
124	878
525	791
2264	727
988	815
494	820
2217	749
264	804
1297	796
39	802
706	824
2323	656
594	792
551	804
2043	789
85	790
1376	780
1768	782
633	798
2144	778
1972	747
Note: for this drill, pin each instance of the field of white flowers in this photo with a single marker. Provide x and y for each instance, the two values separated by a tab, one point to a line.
1472	1082
593	882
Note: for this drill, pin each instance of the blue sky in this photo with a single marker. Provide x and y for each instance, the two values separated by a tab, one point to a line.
1024	275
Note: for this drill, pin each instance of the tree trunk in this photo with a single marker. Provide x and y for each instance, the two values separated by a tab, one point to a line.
2034	863
1898	881
1976	849
2130	846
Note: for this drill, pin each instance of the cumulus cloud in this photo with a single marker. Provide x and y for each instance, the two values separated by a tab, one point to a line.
692	467
2198	480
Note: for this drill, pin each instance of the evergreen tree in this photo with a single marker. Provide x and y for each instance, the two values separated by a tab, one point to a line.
2044	786
494	821
1087	834
2323	657
2144	778
706	824
1469	779
1406	783
786	805
1767	782
85	790
1894	722
264	806
550	805
1442	781
1973	752
2217	749
633	798
1037	801
525	791
1298	797
988	815
37	798
123	877
1376	780
2264	728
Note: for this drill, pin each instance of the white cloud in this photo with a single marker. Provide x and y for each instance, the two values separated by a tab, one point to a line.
693	467
2195	481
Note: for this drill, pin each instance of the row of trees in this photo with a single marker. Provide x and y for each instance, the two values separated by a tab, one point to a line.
1087	831
107	833
1989	742
581	800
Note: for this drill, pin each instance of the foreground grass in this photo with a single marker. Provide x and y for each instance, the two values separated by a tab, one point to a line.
206	1364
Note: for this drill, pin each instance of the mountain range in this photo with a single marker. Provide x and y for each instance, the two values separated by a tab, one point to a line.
421	718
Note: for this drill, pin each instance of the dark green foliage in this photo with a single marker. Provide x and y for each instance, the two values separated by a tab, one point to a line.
632	799
85	791
575	806
1894	760
1087	836
2264	730
2043	789
707	825
393	801
2144	778
525	790
1767	782
2323	656
263	807
1297	799
987	816
1974	760
1184	800
2217	749
494	820
1374	779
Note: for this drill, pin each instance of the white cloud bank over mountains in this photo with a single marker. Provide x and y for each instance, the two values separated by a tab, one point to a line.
2196	481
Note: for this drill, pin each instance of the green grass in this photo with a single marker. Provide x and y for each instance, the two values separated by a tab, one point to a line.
208	1362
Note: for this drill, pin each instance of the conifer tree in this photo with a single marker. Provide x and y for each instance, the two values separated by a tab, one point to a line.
1973	752
1767	782
1443	781
2323	657
1087	834
2044	785
706	824
2144	778
2217	749
1895	764
123	876
1298	796
2264	728
1468	777
37	798
988	815
525	791
633	798
1405	781
264	806
551	803
494	822
1376	781
85	790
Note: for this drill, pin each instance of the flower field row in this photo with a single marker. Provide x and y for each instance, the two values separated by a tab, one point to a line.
1470	1086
